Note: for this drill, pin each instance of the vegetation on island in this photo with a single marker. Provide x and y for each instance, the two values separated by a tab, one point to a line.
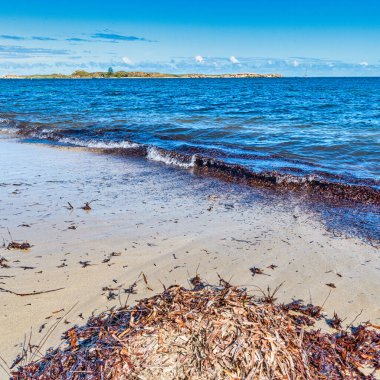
110	73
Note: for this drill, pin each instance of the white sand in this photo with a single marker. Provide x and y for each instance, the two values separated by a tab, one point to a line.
164	223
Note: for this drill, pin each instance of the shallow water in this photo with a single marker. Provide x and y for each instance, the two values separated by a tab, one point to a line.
325	127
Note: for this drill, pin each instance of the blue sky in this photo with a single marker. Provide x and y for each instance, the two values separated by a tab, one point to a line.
293	37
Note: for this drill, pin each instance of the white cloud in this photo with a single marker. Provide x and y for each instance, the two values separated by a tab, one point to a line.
289	66
127	61
199	59
234	60
295	63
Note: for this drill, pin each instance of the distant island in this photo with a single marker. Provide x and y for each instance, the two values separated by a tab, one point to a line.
81	74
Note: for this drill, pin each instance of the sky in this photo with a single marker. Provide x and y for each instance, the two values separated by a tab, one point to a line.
290	37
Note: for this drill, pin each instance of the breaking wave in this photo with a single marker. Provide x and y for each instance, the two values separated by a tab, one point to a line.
170	158
96	144
327	187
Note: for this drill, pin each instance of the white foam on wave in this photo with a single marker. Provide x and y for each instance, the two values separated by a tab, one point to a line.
43	134
155	154
96	144
5	128
110	145
288	179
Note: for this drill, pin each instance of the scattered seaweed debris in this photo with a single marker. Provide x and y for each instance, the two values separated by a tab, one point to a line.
69	206
131	289
197	283
14	245
87	206
4	262
255	270
34	293
335	322
210	333
22	246
85	264
309	309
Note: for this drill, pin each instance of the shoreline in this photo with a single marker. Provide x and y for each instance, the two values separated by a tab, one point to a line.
351	206
166	223
319	185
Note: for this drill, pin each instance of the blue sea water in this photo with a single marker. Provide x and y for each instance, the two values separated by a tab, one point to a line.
324	127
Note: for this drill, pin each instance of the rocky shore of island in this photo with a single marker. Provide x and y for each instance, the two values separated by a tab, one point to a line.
110	74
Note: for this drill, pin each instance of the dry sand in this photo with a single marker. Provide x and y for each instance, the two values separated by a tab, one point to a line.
164	222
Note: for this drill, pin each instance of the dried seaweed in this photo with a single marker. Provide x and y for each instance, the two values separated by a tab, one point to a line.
22	246
309	309
34	293
4	262
84	263
208	333
131	289
87	206
255	270
14	245
335	322
70	206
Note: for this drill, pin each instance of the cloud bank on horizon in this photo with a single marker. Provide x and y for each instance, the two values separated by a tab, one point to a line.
319	38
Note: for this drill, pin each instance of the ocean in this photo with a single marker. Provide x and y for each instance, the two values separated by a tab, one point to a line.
316	135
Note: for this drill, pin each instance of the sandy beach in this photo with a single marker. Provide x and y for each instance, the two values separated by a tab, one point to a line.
166	223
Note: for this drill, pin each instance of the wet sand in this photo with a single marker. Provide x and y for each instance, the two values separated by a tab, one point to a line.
162	221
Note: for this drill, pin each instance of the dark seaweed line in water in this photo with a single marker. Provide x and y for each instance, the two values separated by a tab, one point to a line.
333	191
95	139
312	185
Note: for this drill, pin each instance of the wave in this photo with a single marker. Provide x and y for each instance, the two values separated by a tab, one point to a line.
332	188
170	158
6	125
97	144
313	185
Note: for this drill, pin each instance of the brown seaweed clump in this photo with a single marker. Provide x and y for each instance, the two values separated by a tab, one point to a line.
21	246
208	333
